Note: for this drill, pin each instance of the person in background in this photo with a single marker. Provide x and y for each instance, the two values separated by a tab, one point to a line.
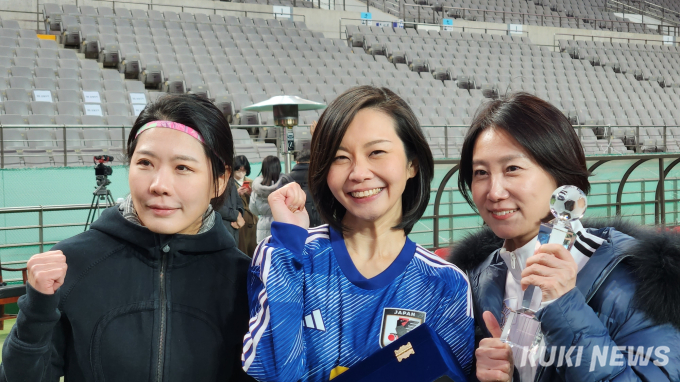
615	293
155	290
248	233
266	183
300	175
232	211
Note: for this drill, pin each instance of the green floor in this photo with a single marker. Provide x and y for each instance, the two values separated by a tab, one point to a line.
28	187
5	332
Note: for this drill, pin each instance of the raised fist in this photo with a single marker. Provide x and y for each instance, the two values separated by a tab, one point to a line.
288	205
46	271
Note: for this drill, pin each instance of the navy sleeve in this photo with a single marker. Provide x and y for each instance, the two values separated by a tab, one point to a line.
610	355
33	351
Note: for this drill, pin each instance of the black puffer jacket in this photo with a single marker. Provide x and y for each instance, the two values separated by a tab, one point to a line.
626	296
136	306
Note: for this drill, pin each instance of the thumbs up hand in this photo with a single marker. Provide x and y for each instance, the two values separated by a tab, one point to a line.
494	357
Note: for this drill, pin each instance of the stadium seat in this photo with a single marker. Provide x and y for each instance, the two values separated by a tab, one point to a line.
13	139
16	107
41	138
36	158
92	120
121	109
36	120
43	108
96	137
70	108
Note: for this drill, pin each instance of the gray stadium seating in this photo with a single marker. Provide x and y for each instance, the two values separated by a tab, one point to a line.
582	14
237	61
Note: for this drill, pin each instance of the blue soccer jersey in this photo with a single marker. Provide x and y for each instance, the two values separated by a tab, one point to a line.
313	314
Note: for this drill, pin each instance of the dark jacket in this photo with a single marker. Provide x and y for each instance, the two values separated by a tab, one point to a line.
135	306
299	175
627	294
247	240
233	205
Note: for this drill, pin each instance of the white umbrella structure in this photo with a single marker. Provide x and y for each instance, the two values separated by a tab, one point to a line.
285	109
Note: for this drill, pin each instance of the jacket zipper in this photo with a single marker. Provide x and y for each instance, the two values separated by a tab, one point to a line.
602	280
161	337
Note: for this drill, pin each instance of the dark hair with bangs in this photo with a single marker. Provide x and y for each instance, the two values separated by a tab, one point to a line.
540	128
270	170
242	161
328	135
202	116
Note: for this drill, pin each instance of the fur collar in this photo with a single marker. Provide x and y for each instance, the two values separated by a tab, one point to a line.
654	259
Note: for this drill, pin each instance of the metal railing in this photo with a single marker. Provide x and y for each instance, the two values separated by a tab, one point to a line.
214	10
39	21
118	138
601	133
64	152
458	12
659	201
341	5
643	8
612	39
343	32
317	4
40	241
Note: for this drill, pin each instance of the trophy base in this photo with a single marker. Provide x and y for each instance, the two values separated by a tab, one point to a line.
522	331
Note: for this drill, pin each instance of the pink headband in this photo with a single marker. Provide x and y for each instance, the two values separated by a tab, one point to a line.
178	127
171	125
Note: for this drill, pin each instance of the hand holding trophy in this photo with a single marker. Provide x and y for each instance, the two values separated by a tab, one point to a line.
522	331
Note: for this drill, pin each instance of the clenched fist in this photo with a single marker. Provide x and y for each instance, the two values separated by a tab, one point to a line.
46	271
288	205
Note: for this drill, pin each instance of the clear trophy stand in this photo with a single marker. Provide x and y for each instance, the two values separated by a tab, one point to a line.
522	331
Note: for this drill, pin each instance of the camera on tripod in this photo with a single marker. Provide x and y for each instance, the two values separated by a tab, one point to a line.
100	168
101	172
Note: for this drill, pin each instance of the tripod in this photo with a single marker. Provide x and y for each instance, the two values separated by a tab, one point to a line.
101	193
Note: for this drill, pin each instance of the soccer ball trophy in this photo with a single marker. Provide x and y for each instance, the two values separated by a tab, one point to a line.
522	331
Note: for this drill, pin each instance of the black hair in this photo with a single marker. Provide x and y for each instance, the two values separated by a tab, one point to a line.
540	128
303	156
202	116
271	169
242	161
328	135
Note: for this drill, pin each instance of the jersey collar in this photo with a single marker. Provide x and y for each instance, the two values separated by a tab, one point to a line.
379	281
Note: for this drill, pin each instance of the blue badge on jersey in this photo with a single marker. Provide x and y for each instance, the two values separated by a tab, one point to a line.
397	322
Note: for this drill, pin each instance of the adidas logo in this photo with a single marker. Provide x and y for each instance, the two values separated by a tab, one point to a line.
314	321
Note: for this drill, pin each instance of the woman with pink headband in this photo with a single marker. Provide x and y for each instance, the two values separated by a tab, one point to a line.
156	289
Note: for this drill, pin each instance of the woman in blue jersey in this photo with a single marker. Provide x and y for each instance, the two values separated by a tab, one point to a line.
323	299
